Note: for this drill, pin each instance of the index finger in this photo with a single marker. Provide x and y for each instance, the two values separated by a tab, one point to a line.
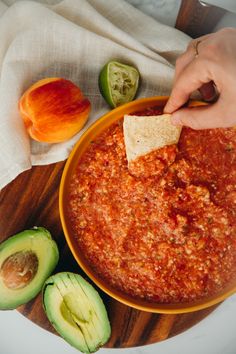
190	79
186	57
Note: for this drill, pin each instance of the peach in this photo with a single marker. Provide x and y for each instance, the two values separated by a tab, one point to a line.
53	110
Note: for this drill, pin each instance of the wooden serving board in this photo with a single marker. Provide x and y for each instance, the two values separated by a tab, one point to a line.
32	200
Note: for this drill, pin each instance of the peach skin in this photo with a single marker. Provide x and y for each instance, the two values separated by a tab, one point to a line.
53	110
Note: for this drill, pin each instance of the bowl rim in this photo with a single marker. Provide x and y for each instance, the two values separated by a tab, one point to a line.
92	131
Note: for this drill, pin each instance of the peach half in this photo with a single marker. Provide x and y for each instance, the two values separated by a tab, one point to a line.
53	110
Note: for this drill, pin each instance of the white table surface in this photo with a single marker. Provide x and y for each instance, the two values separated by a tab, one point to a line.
214	335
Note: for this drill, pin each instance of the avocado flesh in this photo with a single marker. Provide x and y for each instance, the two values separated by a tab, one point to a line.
76	311
39	242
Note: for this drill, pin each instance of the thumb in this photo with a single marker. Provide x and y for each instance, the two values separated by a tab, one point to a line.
203	117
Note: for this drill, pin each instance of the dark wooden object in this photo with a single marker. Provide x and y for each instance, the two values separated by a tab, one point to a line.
32	199
196	19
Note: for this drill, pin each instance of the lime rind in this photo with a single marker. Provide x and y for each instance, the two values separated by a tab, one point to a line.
118	83
104	86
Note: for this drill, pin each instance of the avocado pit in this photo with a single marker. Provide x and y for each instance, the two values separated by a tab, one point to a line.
26	261
19	269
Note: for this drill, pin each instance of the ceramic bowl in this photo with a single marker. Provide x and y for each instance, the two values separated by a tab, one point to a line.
89	135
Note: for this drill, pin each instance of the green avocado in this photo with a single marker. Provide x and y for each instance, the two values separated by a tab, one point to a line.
76	311
26	261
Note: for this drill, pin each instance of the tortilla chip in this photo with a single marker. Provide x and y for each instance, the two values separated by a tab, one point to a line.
144	134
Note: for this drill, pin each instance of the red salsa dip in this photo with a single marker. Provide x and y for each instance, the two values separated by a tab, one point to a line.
167	231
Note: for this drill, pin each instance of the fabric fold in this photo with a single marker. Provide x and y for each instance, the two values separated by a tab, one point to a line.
74	39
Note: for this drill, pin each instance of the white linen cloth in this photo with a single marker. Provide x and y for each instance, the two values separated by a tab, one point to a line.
73	39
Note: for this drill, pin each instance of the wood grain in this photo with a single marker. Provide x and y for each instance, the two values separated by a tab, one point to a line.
196	19
32	200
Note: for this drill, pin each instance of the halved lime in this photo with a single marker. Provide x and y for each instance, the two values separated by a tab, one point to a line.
118	83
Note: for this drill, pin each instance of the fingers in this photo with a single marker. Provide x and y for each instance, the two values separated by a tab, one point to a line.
190	79
199	39
189	55
183	61
203	117
208	65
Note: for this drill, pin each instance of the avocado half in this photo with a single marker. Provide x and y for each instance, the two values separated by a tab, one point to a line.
26	261
76	311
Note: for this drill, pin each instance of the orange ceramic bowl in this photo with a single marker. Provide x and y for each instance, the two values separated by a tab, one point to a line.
95	129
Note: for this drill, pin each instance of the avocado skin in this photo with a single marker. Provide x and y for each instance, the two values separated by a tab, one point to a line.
38	240
86	301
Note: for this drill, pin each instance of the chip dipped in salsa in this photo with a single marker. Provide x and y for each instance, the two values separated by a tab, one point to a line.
165	230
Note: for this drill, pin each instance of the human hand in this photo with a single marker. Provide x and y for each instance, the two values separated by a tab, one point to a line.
213	67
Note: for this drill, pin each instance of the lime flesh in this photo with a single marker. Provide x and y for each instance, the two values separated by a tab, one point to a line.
118	83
